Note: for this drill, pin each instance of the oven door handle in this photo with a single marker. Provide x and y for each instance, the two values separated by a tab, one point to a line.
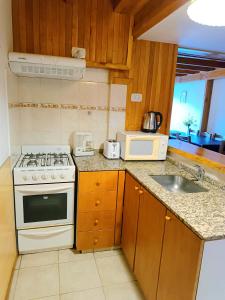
43	234
42	191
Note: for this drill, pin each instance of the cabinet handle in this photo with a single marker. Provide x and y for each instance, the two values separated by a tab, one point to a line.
95	241
97	203
136	188
168	218
96	222
141	192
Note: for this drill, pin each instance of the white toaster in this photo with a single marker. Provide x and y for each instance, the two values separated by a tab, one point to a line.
111	149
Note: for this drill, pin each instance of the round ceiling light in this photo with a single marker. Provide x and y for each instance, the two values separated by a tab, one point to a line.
207	12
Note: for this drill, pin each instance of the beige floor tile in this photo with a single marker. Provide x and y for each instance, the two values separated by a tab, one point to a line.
113	269
39	259
107	253
38	282
71	255
17	266
78	276
93	294
124	291
13	285
57	297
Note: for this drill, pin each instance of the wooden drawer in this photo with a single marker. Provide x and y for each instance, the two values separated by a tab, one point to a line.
97	181
95	239
97	201
96	220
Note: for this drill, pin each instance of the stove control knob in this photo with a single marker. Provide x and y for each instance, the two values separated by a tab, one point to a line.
62	176
25	178
34	178
53	176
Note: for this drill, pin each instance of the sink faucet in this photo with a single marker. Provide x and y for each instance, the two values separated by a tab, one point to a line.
200	173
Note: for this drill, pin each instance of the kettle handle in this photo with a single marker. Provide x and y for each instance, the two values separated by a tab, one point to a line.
158	123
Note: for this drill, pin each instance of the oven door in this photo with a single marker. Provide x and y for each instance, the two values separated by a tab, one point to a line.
44	205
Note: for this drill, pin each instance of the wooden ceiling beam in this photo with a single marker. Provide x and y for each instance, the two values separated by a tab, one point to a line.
154	12
219	73
195	68
130	7
201	62
186	71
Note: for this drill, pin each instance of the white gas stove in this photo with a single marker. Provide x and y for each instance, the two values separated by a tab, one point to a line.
44	164
44	186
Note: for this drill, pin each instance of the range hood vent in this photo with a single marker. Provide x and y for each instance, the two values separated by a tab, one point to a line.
34	65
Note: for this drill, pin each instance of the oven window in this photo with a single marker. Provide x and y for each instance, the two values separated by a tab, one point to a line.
49	207
141	147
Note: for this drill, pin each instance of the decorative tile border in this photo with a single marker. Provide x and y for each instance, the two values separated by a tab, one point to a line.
65	106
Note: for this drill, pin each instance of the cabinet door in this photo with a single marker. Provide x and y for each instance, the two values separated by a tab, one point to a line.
181	256
130	218
151	224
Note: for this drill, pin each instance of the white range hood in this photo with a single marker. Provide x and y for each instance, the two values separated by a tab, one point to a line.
47	66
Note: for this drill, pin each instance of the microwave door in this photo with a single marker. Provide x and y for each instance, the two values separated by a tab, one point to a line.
143	148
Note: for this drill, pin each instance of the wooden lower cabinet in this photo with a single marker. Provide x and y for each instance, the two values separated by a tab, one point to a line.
99	209
180	264
163	252
149	244
130	218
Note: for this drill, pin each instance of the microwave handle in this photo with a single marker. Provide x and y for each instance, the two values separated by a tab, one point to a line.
43	234
159	123
34	190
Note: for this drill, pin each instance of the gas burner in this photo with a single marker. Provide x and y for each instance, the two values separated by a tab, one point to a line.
32	163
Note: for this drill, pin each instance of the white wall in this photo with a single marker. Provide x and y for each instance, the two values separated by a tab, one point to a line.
51	111
216	122
193	107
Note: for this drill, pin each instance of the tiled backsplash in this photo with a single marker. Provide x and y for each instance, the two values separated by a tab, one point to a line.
50	111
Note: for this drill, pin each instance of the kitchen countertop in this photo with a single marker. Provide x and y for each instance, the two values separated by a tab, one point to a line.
203	213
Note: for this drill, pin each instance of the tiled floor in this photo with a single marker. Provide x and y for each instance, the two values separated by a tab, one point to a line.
66	275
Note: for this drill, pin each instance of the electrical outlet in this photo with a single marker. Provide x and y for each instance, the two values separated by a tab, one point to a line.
136	97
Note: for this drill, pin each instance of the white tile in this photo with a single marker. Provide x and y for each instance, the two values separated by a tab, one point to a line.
113	269
118	95
92	294
37	282
116	123
29	89
124	291
107	253
17	266
94	94
71	255
78	276
70	92
39	259
96	75
13	285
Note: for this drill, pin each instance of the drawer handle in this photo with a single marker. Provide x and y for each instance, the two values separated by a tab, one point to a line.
97	203
95	241
97	183
168	218
136	188
141	192
96	222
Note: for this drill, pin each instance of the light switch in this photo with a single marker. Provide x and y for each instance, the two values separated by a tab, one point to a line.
136	97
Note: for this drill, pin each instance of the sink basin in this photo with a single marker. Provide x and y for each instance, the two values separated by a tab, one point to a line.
178	184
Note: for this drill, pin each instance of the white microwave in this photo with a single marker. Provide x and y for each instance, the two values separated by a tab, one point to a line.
137	145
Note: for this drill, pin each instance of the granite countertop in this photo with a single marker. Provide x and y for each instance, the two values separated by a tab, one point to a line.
203	213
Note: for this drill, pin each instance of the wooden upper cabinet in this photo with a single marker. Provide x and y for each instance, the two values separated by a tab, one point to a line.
149	244
53	27
130	218
180	263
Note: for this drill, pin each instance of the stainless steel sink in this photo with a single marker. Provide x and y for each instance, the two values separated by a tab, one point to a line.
178	184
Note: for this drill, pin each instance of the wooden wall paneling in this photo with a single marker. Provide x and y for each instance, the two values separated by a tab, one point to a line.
75	24
207	104
36	26
15	25
153	75
130	7
68	27
119	207
22	25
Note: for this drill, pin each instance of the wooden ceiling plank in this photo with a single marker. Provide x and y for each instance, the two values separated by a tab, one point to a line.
201	62
197	68
154	12
219	73
130	7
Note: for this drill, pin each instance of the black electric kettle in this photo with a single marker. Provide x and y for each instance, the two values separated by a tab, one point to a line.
152	121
